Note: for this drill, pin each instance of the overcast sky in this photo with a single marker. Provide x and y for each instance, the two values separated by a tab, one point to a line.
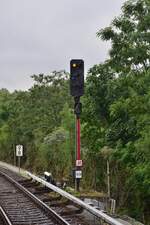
37	36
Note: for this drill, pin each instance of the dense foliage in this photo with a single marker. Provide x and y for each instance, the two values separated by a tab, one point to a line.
42	121
117	115
115	118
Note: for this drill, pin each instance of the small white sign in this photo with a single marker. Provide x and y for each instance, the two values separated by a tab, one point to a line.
78	174
19	150
78	162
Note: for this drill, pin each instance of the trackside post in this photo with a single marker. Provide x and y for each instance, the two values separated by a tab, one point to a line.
77	90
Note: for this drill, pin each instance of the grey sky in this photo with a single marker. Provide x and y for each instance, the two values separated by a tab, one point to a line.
43	35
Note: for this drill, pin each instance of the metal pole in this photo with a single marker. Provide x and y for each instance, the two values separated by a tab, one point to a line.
108	179
78	154
78	139
75	154
19	163
77	111
14	150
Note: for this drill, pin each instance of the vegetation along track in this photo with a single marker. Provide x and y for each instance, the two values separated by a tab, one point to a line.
21	206
21	210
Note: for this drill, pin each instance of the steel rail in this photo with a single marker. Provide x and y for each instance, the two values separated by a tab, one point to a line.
5	217
79	202
41	204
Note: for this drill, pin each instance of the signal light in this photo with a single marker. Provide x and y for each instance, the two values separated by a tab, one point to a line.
74	65
77	77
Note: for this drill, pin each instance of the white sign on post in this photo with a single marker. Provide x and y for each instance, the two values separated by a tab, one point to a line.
19	150
78	162
78	174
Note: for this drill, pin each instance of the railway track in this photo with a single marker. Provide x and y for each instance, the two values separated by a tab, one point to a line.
27	212
4	220
22	207
22	210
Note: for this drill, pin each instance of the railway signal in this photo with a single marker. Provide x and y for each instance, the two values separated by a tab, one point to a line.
77	77
77	90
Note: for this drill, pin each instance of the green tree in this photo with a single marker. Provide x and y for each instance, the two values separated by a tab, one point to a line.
129	35
117	95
